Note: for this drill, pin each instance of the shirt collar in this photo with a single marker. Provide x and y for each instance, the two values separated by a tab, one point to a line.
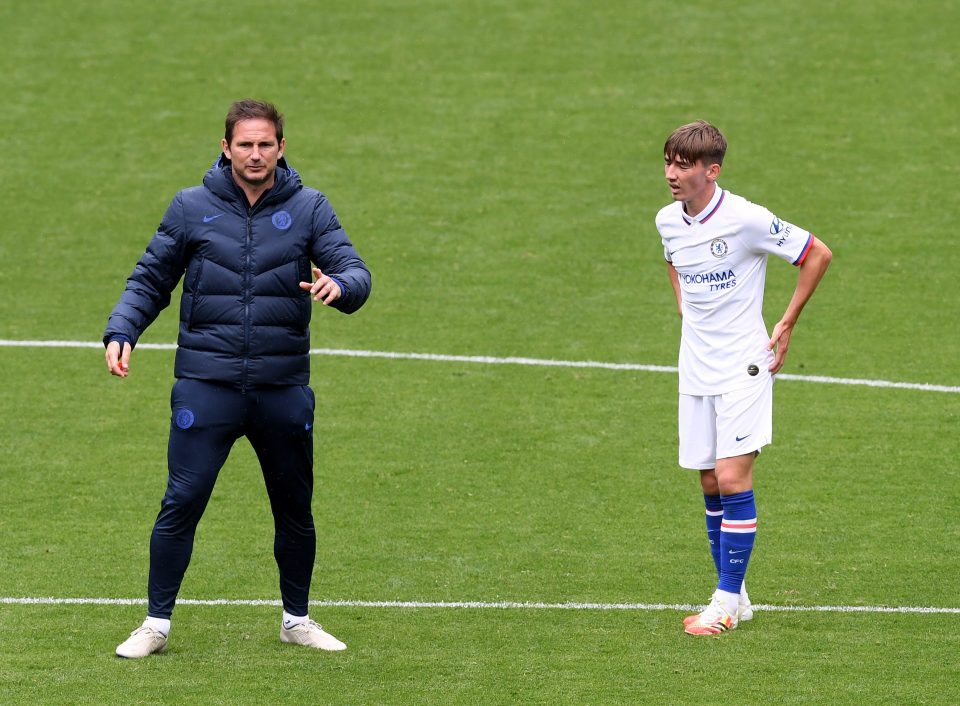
708	211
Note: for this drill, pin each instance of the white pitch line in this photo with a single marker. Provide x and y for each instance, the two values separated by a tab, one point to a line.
490	360
480	605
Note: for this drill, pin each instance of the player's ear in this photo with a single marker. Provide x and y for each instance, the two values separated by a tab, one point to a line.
713	172
225	147
283	146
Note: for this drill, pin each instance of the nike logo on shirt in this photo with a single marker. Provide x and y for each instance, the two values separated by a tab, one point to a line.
207	219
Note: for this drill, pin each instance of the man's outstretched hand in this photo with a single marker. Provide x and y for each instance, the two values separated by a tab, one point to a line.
323	289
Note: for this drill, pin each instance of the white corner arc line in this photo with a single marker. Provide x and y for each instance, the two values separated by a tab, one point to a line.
491	360
482	605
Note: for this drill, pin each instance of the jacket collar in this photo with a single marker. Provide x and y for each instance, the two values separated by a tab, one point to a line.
219	180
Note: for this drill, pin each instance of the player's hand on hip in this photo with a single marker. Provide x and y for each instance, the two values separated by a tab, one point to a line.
118	361
779	343
324	289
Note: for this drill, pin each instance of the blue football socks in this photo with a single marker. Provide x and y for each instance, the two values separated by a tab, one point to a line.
738	529
714	516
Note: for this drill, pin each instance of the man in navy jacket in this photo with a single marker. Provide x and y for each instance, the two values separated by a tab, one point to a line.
244	244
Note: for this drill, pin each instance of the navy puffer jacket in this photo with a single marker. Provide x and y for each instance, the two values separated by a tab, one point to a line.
244	320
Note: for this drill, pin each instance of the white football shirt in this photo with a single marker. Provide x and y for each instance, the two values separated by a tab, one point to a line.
721	260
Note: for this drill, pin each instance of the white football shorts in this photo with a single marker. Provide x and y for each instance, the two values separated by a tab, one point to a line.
721	426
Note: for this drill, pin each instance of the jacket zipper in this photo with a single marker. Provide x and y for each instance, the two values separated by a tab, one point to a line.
246	303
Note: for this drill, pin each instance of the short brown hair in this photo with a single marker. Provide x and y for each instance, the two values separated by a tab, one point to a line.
698	141
252	109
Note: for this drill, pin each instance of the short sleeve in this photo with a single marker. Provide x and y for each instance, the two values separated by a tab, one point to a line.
766	233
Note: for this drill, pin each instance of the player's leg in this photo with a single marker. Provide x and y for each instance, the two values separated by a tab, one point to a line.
714	516
744	425
698	442
713	511
737	530
205	421
281	433
738	526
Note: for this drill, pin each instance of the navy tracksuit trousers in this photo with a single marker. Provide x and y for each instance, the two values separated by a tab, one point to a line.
206	420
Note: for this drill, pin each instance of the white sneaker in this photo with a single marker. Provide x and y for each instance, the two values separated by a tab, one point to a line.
714	620
744	606
311	635
142	642
744	609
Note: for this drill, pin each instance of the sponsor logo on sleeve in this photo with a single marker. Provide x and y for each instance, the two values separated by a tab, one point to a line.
782	229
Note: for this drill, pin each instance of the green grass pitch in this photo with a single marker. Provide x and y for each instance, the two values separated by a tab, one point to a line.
498	165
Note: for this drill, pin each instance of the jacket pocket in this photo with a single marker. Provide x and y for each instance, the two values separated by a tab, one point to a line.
194	293
303	269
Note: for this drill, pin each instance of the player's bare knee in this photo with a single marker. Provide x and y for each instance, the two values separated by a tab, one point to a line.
708	481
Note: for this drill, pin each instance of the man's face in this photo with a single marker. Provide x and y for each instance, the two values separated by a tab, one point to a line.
254	152
690	182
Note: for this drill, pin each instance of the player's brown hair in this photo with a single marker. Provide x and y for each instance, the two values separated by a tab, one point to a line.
696	141
252	109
